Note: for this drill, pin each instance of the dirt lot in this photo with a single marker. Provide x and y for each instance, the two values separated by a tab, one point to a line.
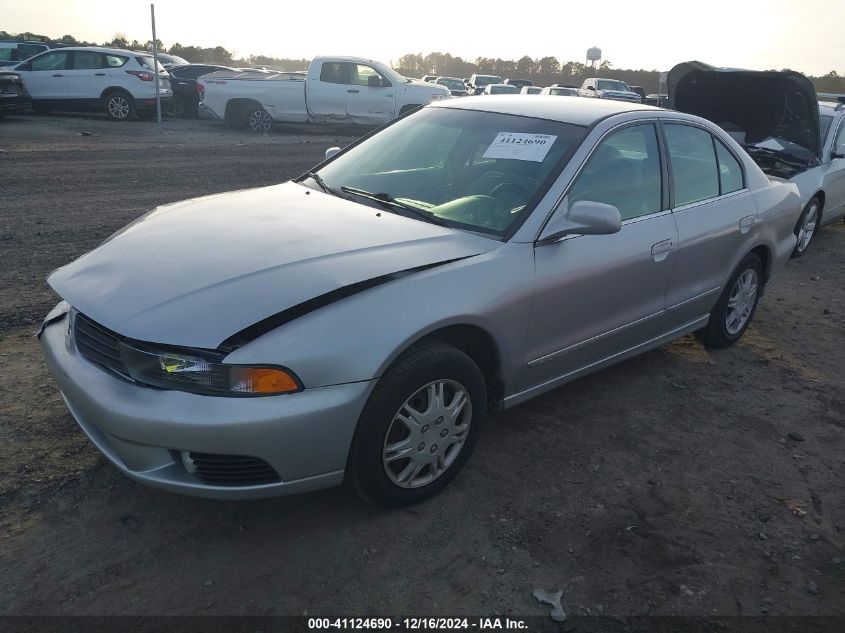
660	486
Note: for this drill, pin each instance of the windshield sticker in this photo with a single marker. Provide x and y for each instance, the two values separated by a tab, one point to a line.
520	146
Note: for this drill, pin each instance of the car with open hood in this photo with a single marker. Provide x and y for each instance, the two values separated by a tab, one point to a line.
358	323
777	118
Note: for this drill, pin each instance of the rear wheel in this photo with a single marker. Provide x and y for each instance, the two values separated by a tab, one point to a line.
736	306
119	105
258	120
807	225
418	427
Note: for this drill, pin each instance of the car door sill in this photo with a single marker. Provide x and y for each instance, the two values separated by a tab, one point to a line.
686	328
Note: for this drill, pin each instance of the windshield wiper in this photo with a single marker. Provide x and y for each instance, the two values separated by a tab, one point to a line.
387	199
313	175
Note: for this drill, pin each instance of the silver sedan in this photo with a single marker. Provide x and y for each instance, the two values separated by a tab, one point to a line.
360	322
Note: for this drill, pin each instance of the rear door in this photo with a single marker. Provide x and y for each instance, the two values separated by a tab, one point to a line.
86	75
370	96
834	177
597	296
45	77
326	91
714	213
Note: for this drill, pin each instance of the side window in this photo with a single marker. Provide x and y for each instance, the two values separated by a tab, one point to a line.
332	73
361	74
694	170
115	61
86	60
28	50
54	60
730	171
624	171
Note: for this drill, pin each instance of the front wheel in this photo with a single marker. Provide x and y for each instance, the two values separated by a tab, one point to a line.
258	120
806	227
736	305
418	427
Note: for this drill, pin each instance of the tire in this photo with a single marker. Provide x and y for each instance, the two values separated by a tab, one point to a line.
736	305
402	392
807	226
258	120
119	105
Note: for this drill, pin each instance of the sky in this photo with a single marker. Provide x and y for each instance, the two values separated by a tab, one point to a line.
759	34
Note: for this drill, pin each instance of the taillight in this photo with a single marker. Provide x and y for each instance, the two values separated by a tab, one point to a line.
201	90
143	75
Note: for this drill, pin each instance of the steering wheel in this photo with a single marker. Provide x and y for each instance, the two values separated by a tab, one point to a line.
511	186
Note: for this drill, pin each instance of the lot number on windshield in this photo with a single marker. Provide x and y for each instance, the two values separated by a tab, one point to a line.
520	146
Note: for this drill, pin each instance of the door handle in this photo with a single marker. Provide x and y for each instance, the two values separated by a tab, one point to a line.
746	223
99	74
58	75
660	251
353	91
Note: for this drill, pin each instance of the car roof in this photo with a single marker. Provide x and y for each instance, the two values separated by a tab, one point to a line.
829	107
577	111
103	49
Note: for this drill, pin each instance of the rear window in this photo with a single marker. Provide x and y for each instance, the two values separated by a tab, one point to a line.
115	61
147	61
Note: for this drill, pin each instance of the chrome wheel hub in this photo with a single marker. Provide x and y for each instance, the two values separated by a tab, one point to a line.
808	227
741	303
427	433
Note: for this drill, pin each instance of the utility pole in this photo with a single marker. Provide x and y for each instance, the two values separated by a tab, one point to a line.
155	62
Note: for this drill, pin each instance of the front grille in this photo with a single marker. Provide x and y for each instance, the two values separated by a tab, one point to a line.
98	344
233	470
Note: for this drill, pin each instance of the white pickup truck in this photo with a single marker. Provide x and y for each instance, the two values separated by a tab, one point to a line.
334	90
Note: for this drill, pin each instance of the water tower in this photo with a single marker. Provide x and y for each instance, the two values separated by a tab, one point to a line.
593	56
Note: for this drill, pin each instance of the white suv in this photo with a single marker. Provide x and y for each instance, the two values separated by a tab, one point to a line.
119	82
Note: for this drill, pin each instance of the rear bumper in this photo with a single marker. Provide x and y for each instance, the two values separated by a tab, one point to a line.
206	114
304	437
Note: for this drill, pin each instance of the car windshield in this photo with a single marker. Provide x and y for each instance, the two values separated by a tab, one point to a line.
503	89
6	52
566	92
825	121
611	84
469	169
483	80
452	84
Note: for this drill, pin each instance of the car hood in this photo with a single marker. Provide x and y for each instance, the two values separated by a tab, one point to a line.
197	272
619	94
760	104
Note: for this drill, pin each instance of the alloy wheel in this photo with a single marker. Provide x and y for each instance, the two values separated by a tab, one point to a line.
427	433
260	122
118	107
809	221
741	303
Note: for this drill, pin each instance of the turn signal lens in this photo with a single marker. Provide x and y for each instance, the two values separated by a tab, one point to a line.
264	380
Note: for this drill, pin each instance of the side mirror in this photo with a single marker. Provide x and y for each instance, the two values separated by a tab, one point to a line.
591	87
24	67
585	217
374	81
331	152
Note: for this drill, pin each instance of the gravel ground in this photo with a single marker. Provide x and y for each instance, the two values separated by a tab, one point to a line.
683	482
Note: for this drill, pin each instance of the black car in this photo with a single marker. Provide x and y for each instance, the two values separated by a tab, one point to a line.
13	94
183	82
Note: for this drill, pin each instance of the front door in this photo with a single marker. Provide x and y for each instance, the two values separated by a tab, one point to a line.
597	296
371	97
45	79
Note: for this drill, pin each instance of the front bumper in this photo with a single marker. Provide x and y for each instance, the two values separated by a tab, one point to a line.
304	436
14	103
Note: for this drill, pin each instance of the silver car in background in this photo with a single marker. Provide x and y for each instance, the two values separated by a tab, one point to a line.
359	322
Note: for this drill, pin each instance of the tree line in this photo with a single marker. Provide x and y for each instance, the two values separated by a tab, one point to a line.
542	71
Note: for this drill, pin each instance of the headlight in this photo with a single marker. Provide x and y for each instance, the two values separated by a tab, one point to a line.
438	96
205	374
